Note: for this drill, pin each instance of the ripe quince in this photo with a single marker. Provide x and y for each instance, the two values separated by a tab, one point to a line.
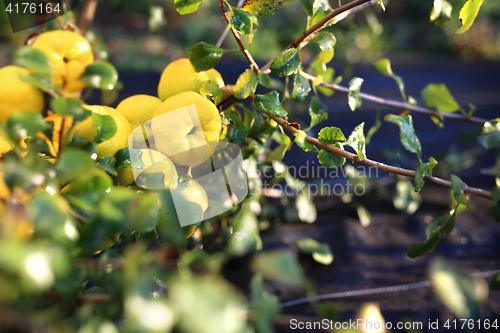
17	95
138	109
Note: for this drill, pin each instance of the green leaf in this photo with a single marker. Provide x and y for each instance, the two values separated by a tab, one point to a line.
100	75
279	152
32	59
123	158
270	103
240	20
330	135
264	307
436	231
246	84
422	170
354	100
184	7
104	127
264	80
287	63
261	8
405	198
306	208
42	81
300	140
331	160
22	125
384	67
321	252
69	107
457	186
279	266
437	96
468	14
211	89
489	135
326	40
238	132
246	236
409	138
317	110
107	164
156	19
357	141
441	12
204	56
301	87
72	163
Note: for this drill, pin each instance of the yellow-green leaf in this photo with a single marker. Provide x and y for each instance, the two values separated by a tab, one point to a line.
468	14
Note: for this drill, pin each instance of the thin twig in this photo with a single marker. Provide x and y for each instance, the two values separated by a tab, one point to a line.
87	15
397	104
391	170
238	40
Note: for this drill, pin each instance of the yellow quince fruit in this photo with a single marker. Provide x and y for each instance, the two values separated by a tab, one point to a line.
115	143
138	109
17	95
186	128
69	54
192	191
180	76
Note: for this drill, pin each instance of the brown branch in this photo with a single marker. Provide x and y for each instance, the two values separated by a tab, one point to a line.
391	170
397	104
238	40
87	15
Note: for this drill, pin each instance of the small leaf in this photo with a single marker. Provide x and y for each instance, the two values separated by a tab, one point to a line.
330	135
184	7
422	170
437	96
405	198
326	40
100	75
270	103
301	87
317	110
107	164
245	236
73	163
104	127
436	231
279	152
306	208
354	100
211	89
240	20
280	266
246	84
123	158
204	56
489	135
321	252
441	12
409	138
300	140
32	59
22	125
468	14
384	67
357	141
287	63
264	80
331	160
70	107
261	8
457	186
238	132
43	81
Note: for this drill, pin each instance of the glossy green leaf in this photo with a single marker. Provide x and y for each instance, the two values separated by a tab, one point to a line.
317	110
246	84
264	80
104	127
240	20
279	266
321	252
457	186
70	107
331	160
409	138
384	67
270	103
204	56
320	8
436	231
107	164
422	170
72	163
184	7
100	75
306	208
246	236
261	8
300	140
212	90
405	198
326	40
238	132
157	19
301	87
123	158
489	135
357	141
22	125
330	135
354	100
468	14
287	63
441	12
437	96
32	59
